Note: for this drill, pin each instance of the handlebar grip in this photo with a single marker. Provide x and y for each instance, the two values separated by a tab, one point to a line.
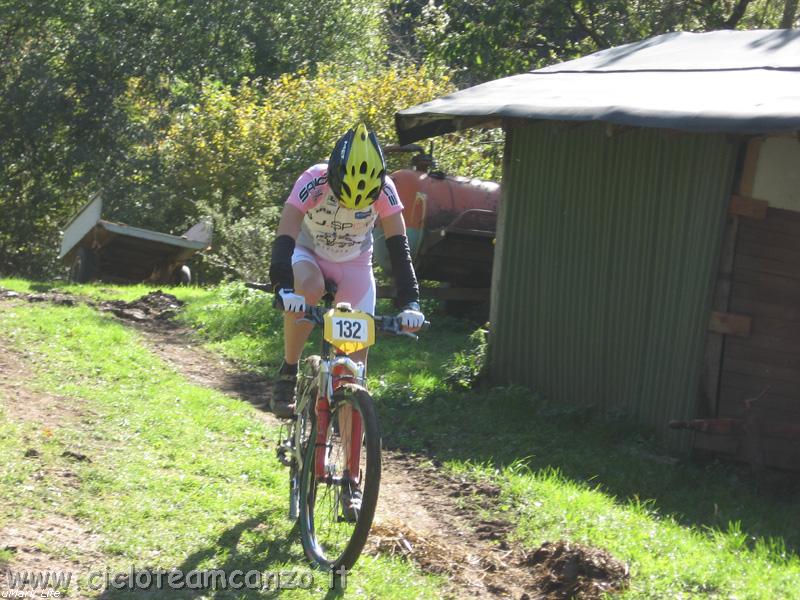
254	285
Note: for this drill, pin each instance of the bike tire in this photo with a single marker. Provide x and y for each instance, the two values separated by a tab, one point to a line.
308	385
317	524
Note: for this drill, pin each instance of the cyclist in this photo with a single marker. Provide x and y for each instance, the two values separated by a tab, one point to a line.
325	233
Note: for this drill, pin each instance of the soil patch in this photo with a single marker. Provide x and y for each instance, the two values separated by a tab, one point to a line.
24	404
566	570
156	305
50	544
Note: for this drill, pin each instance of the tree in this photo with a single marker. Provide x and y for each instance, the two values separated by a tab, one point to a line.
66	128
486	40
789	14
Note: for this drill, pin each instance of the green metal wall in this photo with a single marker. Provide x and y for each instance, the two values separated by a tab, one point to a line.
607	253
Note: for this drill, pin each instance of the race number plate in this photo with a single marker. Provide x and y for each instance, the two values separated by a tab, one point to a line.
349	331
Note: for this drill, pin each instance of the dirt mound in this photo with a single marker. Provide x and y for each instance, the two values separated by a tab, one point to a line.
565	570
156	305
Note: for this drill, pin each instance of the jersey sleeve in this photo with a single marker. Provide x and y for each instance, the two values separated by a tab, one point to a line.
388	202
309	188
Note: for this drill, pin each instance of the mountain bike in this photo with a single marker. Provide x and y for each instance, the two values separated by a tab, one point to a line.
332	446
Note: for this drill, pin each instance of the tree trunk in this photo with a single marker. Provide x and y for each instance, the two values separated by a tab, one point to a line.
789	12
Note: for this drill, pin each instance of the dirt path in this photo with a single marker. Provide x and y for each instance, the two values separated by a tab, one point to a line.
418	510
28	537
423	514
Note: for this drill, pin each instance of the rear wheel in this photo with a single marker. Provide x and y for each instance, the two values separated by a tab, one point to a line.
329	539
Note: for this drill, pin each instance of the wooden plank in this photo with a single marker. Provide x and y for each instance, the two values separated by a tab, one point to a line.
788	310
789	241
777	221
744	206
747	177
764	371
760	340
732	402
767	265
715	342
730	324
757	249
779	328
777	285
742	349
778	453
755	384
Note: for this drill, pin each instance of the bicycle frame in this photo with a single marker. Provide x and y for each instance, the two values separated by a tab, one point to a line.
336	370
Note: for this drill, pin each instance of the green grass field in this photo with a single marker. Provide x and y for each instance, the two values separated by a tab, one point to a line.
180	476
687	530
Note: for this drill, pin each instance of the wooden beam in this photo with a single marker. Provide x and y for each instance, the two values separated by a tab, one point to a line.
715	342
747	178
730	324
745	206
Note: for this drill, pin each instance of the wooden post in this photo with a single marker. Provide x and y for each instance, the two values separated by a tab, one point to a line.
715	342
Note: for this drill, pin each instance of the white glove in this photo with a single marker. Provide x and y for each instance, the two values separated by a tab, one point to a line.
411	317
292	302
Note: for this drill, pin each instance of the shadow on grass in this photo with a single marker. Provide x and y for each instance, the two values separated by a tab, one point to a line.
266	557
505	426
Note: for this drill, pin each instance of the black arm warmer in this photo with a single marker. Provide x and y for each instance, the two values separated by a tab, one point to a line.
404	278
280	267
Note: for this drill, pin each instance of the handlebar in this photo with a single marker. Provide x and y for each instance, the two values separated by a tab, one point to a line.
383	323
315	314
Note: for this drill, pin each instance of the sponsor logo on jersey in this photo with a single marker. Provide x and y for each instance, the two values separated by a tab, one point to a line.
364	214
311	186
390	194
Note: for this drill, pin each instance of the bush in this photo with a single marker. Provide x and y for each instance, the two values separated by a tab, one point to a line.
234	154
466	369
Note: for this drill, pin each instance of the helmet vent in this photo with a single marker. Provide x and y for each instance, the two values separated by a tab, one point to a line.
362	184
363	168
358	199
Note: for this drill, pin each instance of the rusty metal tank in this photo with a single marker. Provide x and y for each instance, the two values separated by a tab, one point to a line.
451	224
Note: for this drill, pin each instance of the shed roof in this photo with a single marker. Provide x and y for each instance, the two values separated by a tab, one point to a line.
720	81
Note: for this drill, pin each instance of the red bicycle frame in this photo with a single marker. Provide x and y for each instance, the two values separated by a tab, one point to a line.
340	375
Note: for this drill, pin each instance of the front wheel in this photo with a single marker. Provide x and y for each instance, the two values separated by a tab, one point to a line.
306	395
333	534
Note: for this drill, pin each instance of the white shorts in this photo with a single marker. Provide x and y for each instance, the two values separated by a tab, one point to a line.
354	280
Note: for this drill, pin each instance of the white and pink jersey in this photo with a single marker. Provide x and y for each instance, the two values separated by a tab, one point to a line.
333	232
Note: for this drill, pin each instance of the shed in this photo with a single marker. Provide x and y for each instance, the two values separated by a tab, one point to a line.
648	246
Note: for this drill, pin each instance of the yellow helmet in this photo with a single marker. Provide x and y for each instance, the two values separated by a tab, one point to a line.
357	169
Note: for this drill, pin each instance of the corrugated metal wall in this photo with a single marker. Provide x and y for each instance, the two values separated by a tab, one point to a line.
608	252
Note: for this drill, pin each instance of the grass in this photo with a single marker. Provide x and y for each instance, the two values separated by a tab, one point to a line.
688	530
180	476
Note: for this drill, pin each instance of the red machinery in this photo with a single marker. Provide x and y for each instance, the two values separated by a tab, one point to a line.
451	224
